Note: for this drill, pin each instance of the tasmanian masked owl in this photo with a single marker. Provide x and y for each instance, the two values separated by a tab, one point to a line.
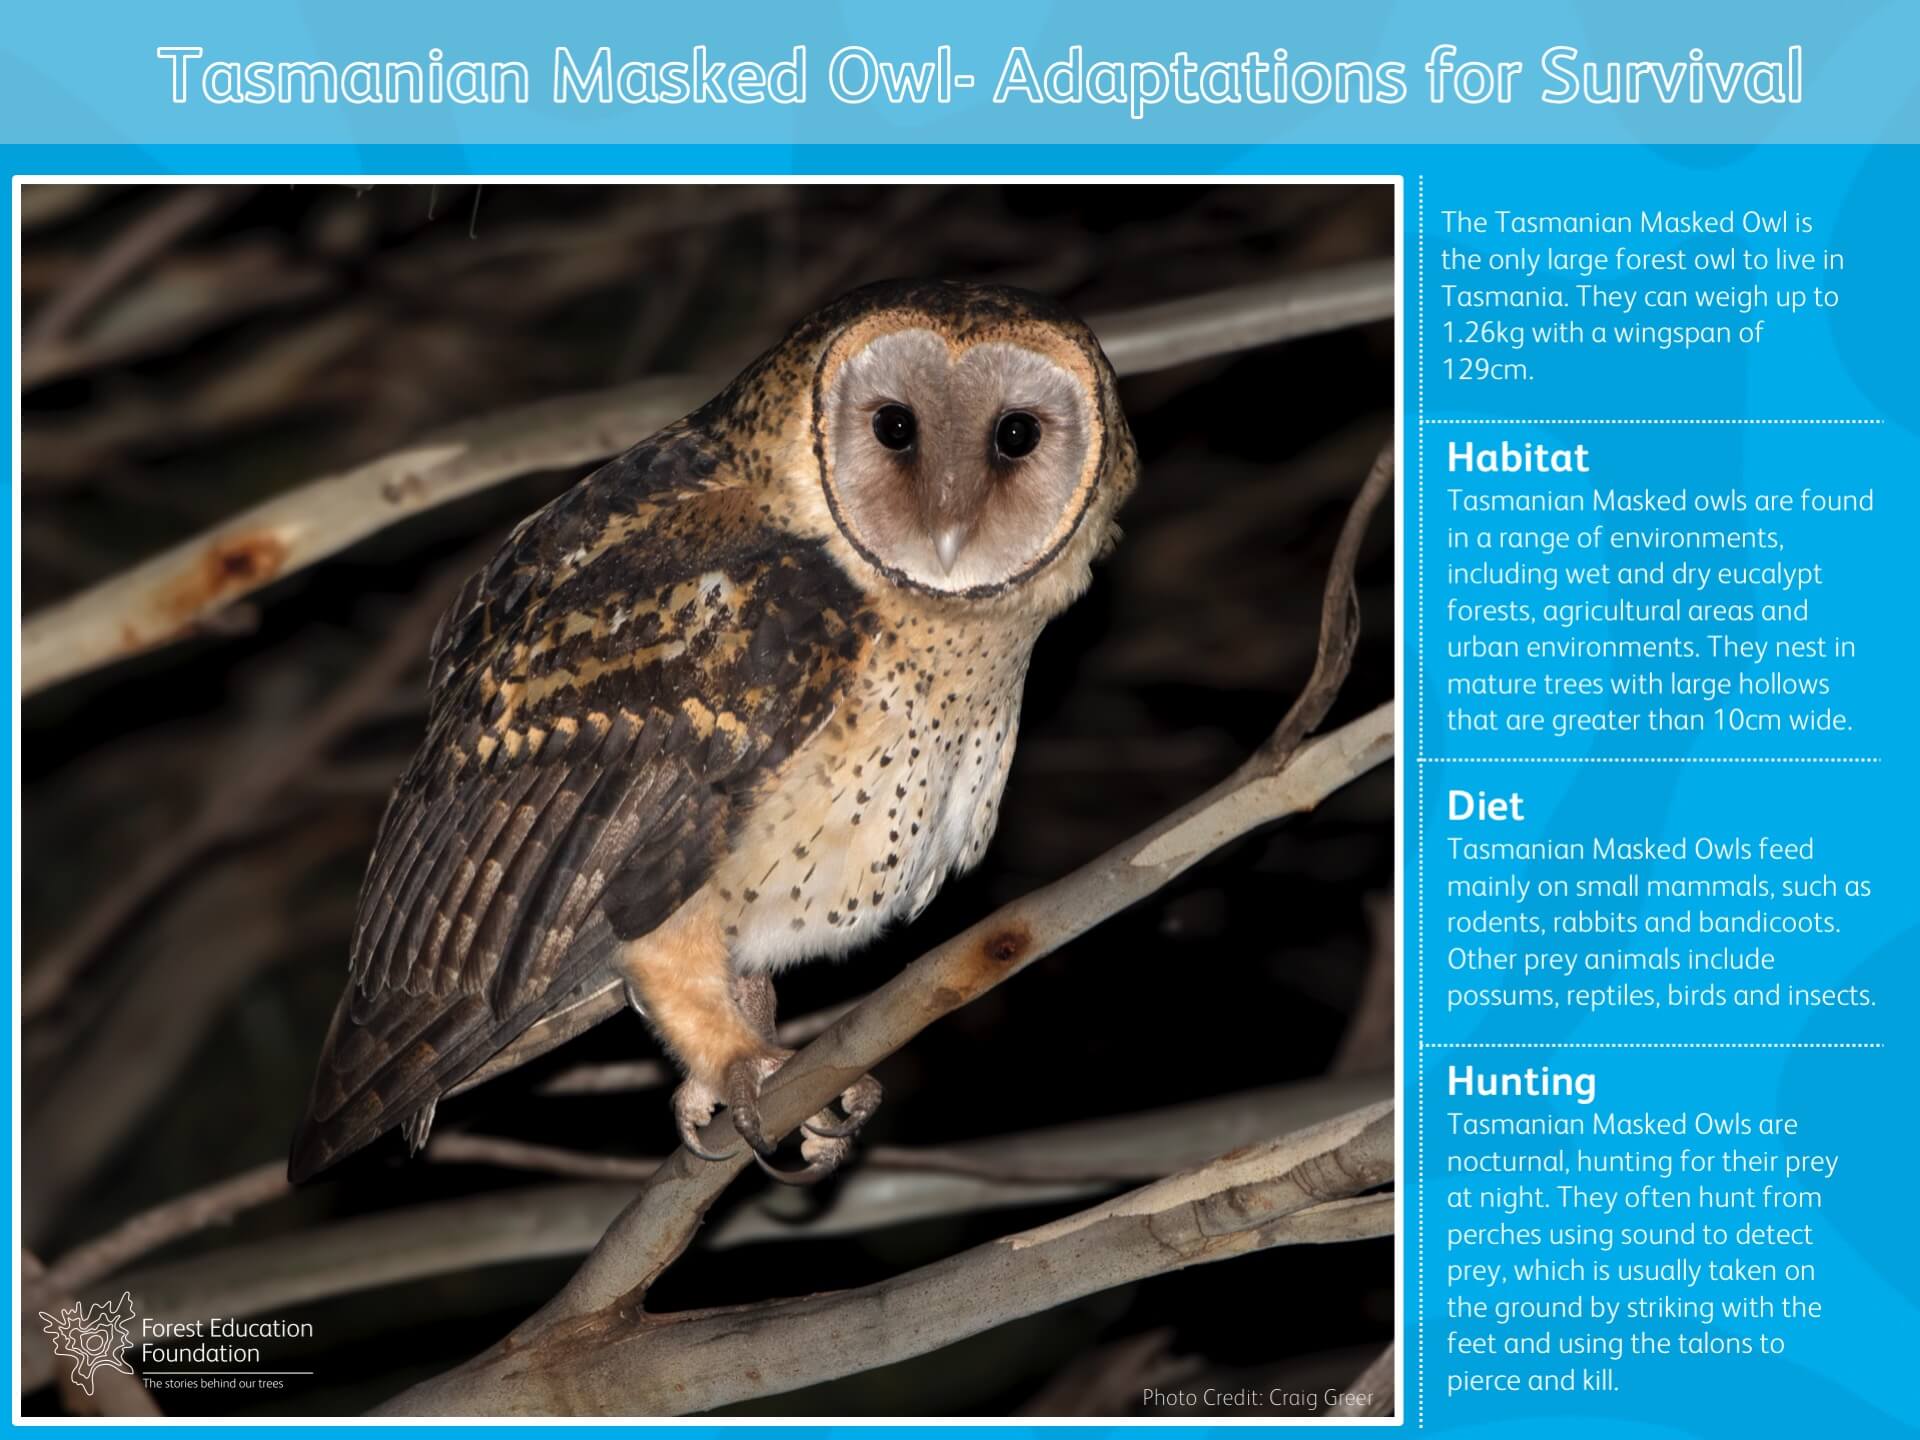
740	698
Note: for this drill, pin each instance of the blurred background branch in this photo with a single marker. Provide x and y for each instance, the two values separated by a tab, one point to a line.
166	597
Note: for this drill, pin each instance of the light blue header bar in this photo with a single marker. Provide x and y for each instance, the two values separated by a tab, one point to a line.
348	72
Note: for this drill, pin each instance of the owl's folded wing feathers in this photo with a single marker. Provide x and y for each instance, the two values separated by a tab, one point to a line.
604	696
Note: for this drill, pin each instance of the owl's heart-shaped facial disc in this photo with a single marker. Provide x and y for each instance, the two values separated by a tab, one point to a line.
957	467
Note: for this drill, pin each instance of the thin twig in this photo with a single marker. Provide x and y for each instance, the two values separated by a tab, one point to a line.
42	206
456	1147
136	247
1339	621
188	298
1174	332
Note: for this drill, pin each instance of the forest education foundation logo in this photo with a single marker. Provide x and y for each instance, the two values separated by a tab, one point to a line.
92	1336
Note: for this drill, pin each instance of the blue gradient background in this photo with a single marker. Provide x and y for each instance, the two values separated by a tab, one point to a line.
80	93
1854	361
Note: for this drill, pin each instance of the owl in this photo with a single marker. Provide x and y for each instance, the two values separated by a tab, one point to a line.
741	698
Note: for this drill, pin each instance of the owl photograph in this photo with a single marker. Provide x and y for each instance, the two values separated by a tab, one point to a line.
769	799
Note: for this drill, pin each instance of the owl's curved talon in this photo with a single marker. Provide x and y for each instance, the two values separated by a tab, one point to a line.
701	1153
859	1100
825	1139
745	1076
693	1105
823	1157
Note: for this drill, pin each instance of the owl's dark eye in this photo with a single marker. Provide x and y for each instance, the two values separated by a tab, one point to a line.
1016	434
893	427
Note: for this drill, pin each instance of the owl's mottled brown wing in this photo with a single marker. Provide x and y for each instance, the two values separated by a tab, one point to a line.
605	695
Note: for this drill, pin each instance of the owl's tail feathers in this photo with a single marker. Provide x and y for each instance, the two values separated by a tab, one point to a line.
383	1068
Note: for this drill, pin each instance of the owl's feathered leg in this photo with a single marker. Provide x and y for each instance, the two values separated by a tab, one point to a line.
680	978
719	1026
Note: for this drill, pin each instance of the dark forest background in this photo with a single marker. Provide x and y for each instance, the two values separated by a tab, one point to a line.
282	333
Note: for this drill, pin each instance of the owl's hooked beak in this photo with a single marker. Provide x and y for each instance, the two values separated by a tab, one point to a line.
947	544
951	512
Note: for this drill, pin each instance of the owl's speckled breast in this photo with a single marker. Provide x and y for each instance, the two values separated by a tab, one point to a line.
899	790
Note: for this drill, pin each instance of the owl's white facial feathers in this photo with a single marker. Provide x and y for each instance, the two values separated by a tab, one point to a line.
952	510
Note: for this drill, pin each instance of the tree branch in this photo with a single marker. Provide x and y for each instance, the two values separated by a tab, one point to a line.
197	1210
1108	1150
165	598
1308	1188
895	1186
135	248
625	1075
1245	317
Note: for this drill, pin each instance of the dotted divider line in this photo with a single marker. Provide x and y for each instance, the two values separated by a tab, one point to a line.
1420	608
1420	1079
1653	1045
1420	743
1617	420
1647	760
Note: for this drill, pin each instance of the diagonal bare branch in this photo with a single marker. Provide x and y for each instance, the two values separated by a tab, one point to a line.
1339	623
163	1224
137	247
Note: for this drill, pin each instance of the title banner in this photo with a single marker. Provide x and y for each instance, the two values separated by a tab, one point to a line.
601	73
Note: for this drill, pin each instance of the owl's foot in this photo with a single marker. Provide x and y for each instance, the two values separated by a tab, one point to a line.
859	1100
693	1107
745	1078
826	1139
